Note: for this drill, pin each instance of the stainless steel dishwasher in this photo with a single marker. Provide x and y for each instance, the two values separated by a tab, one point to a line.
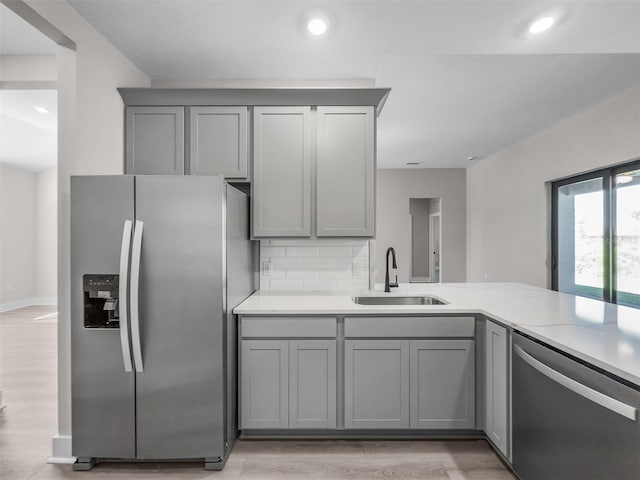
569	420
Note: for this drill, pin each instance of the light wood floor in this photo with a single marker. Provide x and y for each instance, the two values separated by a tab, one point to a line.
28	380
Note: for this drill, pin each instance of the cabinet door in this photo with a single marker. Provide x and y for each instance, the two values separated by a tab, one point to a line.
442	384
312	384
281	172
376	384
154	140
264	379
345	172
218	141
497	400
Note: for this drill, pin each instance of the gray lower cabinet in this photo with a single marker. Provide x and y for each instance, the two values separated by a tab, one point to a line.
422	384
312	384
281	197
290	365
376	384
288	384
345	172
265	384
496	387
154	143
218	141
442	384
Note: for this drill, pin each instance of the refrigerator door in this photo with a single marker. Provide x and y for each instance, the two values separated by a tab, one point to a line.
180	392
103	409
242	255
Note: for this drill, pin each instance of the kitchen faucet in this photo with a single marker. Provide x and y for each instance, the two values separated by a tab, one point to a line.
387	285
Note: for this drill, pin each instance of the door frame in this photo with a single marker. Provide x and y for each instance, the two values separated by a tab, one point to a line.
432	217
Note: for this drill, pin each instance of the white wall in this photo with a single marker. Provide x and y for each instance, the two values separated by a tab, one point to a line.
28	256
47	235
508	209
34	69
90	141
393	223
17	238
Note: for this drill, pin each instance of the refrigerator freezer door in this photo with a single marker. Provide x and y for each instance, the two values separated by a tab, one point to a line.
180	393
125	253
103	409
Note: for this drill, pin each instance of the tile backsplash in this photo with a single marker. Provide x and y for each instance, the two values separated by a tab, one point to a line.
314	265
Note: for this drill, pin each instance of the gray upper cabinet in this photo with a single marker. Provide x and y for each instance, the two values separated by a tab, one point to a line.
218	142
442	384
154	140
496	388
345	172
330	197
281	197
376	384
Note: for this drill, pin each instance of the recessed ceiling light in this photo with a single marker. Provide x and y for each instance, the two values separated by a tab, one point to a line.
317	26
472	158
41	109
541	25
622	179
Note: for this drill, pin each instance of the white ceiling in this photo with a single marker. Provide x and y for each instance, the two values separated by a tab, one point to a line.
28	138
466	79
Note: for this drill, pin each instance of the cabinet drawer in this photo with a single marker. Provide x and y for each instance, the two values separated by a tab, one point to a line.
394	327
293	327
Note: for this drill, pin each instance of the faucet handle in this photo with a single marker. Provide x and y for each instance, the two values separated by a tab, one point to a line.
394	284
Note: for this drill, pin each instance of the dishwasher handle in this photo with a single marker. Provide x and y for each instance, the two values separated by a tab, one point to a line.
601	399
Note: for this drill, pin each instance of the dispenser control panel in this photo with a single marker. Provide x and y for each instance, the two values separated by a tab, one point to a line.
101	306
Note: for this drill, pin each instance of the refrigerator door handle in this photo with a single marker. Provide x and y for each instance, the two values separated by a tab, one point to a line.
601	399
123	301
135	284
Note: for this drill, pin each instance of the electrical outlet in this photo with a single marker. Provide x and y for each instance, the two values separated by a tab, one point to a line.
267	268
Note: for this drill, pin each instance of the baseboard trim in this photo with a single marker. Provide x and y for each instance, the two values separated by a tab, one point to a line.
361	434
27	302
62	460
61	450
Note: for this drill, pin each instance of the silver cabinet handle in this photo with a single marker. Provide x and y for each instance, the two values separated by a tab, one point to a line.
589	393
135	290
123	295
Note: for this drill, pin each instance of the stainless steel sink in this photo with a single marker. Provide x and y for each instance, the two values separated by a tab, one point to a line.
396	300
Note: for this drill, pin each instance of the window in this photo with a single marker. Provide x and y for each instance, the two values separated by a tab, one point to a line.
596	235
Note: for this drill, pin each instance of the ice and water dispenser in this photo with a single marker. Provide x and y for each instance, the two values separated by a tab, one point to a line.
101	301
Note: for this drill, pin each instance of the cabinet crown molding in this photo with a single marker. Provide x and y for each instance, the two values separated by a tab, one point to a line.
375	97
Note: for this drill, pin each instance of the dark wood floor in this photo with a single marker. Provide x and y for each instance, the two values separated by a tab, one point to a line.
28	380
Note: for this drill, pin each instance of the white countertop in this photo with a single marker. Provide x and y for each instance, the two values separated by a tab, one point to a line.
600	333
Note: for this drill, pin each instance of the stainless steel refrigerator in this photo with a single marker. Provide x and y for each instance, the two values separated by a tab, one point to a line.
157	264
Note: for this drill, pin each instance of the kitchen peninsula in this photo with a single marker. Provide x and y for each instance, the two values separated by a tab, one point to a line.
603	334
320	365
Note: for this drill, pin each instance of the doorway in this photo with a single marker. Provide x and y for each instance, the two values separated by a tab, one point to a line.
425	240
